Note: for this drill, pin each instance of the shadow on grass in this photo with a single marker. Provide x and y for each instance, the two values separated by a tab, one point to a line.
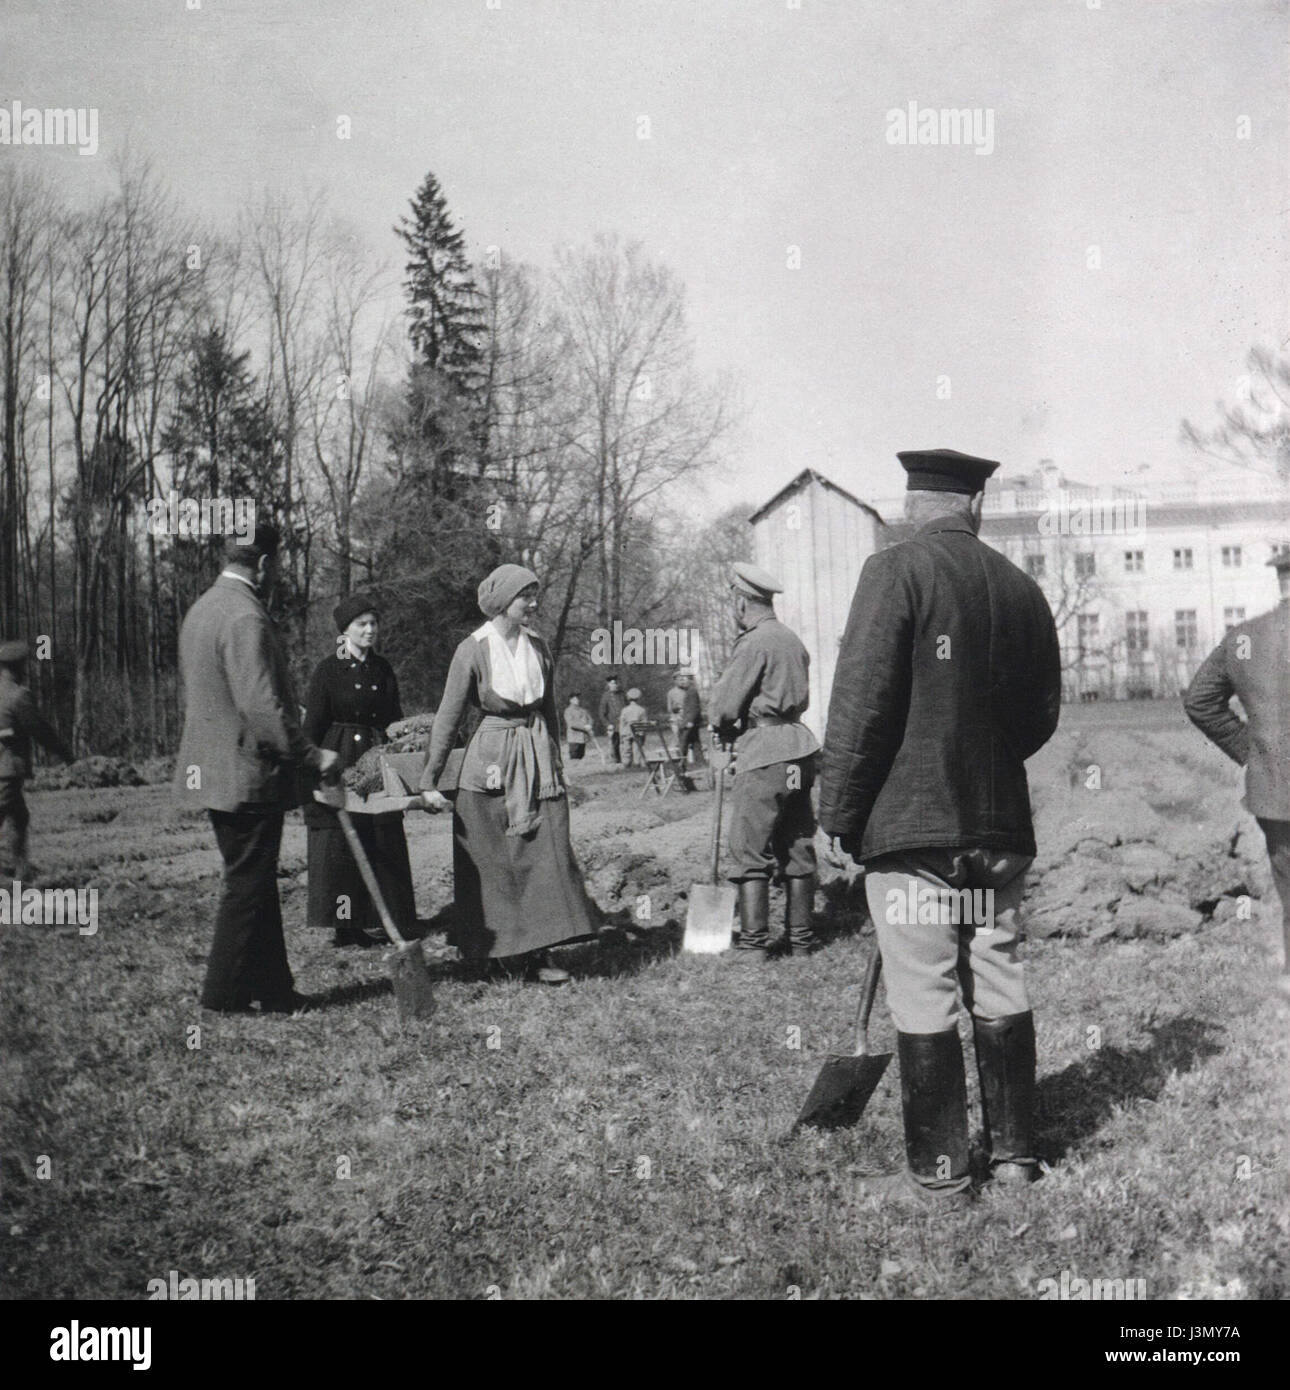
1077	1102
622	948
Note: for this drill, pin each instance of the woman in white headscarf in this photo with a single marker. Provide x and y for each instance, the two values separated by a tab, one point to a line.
518	887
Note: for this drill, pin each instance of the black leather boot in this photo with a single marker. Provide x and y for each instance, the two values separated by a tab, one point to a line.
933	1094
754	919
800	894
1005	1063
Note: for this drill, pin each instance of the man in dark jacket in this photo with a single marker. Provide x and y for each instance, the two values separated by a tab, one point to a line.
240	757
612	705
21	724
1253	663
758	705
948	678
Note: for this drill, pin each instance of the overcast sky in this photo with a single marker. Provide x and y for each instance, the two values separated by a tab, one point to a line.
1116	127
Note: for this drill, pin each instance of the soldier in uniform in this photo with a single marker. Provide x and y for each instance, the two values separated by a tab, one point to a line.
1253	663
683	712
948	678
759	700
20	723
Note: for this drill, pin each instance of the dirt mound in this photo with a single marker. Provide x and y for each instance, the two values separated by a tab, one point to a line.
1139	835
89	773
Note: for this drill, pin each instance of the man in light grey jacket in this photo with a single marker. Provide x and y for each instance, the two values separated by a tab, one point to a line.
241	757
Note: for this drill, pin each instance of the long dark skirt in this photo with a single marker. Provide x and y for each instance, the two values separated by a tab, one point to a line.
335	885
515	893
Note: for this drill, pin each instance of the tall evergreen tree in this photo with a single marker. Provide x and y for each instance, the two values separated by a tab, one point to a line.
445	320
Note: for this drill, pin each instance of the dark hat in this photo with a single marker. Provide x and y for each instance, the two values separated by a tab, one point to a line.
944	470
1280	559
11	653
610	678
754	581
503	587
353	606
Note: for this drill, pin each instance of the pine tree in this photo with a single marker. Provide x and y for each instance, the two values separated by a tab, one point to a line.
445	322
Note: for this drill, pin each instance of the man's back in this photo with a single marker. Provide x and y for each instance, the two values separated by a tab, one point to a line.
948	679
241	726
1253	663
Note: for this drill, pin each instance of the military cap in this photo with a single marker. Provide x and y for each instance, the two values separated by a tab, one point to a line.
13	652
633	694
944	470
754	581
1280	559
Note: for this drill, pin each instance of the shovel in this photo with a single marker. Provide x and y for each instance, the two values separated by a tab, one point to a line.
709	921
845	1083
408	971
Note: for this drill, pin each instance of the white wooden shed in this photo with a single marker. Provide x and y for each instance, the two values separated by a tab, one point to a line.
814	537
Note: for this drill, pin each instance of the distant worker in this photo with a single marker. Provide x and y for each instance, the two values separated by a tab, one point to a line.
578	727
21	724
757	705
1251	663
611	707
684	715
948	679
633	713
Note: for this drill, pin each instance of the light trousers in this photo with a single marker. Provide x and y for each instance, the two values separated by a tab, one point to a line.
968	900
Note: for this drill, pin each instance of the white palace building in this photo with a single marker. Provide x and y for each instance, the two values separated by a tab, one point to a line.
1143	581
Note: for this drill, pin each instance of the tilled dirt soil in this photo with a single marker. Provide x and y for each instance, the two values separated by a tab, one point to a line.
1138	821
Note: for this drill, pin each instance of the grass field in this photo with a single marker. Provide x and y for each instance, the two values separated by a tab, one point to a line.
623	1136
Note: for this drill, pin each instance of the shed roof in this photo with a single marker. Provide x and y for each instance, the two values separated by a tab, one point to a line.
809	475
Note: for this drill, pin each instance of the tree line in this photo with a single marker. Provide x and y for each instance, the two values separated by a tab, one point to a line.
404	433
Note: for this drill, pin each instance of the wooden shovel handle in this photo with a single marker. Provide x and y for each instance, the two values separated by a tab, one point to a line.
369	878
867	991
719	774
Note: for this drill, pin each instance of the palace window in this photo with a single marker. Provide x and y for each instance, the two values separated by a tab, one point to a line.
1087	632
1085	565
1232	557
1232	617
1185	627
1135	631
1035	566
1182	559
1133	562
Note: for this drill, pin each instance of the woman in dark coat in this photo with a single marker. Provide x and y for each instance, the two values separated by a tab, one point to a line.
353	698
518	887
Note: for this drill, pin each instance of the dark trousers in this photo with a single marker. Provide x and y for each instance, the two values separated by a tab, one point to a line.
248	958
613	745
689	738
14	819
772	823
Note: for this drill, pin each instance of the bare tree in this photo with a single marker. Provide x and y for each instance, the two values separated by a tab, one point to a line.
1254	429
25	211
286	248
344	407
644	421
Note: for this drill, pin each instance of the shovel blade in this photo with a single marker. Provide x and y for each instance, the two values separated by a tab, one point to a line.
710	919
842	1091
411	980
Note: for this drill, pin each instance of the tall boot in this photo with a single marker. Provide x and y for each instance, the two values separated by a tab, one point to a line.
800	894
933	1095
1005	1063
754	920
